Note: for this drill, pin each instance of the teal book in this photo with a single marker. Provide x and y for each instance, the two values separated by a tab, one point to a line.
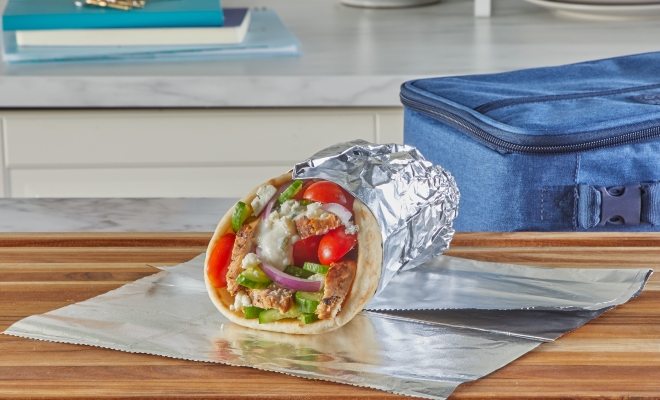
267	36
23	15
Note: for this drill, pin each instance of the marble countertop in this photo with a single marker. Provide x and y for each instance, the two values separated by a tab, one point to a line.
352	57
112	215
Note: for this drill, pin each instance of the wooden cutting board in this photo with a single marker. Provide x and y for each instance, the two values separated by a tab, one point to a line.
615	356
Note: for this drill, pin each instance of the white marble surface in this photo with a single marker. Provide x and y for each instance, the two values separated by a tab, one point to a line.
112	215
351	57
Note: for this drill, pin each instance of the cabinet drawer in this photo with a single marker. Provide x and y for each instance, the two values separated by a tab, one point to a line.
171	153
158	138
140	182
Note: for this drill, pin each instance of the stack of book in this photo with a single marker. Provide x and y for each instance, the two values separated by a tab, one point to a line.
61	30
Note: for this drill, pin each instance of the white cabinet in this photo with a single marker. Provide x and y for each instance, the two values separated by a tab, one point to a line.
172	153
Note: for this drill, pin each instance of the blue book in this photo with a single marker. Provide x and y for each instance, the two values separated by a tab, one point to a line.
267	36
23	15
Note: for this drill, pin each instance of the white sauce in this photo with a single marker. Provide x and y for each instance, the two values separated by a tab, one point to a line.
275	237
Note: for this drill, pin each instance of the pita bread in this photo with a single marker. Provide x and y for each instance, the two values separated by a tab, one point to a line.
369	264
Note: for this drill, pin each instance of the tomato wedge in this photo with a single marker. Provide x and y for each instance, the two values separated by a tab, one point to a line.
219	261
306	250
329	192
301	192
335	244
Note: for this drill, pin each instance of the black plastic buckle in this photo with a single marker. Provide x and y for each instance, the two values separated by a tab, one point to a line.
621	205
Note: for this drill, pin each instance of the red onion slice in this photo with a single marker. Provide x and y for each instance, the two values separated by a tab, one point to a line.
271	203
340	211
286	280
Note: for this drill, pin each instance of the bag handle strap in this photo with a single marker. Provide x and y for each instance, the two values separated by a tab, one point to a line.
630	204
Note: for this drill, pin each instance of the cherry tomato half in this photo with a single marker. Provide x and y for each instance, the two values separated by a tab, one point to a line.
219	261
306	250
335	244
301	192
329	192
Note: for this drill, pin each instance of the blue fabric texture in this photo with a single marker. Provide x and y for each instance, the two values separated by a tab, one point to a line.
588	206
529	148
651	203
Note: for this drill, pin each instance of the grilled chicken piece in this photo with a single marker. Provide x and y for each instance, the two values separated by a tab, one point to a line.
242	246
337	285
273	296
312	226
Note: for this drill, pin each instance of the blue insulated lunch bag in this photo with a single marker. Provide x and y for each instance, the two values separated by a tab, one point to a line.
568	148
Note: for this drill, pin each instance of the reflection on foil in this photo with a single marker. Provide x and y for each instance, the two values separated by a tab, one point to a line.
354	344
375	351
541	325
414	201
423	353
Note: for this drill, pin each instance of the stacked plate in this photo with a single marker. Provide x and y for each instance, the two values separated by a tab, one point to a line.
603	9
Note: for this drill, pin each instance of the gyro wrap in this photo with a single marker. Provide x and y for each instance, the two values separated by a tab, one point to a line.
402	206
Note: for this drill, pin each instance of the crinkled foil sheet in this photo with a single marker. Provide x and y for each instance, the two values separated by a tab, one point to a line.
455	283
435	322
422	353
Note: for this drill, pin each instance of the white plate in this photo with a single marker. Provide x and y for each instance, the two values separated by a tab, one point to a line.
600	11
610	2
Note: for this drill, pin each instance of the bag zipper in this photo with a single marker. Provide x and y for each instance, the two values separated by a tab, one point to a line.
484	137
494	105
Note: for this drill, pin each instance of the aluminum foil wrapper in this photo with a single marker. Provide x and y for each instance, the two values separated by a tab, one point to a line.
421	353
414	201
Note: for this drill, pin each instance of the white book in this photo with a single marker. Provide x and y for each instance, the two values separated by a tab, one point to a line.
237	22
267	36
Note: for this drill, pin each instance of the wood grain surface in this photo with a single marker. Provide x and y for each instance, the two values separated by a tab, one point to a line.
616	356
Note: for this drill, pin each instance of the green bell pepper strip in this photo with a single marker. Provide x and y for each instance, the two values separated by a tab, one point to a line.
308	301
297	272
252	312
290	192
308	318
241	212
253	278
316	268
273	314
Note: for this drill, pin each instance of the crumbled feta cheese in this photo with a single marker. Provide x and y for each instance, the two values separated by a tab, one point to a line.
241	300
352	229
314	211
250	260
291	209
264	194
